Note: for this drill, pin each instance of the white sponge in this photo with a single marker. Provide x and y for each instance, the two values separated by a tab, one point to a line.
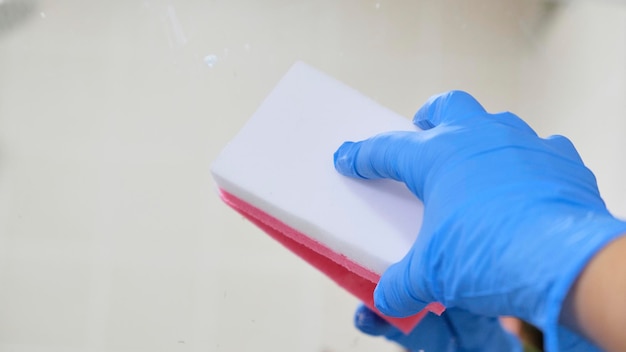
279	172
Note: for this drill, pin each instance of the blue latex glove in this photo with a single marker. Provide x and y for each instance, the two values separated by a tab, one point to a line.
453	331
510	218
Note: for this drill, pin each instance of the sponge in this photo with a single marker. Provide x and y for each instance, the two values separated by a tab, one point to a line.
278	172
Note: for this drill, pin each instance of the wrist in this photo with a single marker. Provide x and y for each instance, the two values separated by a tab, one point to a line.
545	253
583	241
594	306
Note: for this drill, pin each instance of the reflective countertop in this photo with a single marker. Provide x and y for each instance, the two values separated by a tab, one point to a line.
112	237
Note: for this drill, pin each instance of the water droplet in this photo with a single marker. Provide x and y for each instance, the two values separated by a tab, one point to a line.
42	14
377	5
210	60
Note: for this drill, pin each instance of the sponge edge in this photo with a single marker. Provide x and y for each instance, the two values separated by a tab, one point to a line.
278	172
354	278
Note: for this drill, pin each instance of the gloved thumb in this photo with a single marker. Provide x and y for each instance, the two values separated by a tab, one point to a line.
398	294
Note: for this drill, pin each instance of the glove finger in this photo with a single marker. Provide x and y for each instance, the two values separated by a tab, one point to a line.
370	323
449	107
512	120
480	333
402	156
397	293
565	147
455	330
431	334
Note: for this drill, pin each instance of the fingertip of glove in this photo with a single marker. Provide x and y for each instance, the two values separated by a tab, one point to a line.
422	118
344	158
447	107
381	303
393	304
369	322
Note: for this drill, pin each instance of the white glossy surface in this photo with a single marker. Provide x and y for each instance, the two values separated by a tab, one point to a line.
111	235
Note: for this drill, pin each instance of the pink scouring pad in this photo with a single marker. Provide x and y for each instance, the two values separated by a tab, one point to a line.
278	172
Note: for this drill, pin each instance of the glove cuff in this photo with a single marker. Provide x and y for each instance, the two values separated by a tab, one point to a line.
590	236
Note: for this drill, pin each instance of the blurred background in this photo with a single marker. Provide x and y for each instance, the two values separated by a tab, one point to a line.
112	237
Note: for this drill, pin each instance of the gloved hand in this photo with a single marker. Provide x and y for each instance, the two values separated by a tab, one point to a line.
510	218
453	331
